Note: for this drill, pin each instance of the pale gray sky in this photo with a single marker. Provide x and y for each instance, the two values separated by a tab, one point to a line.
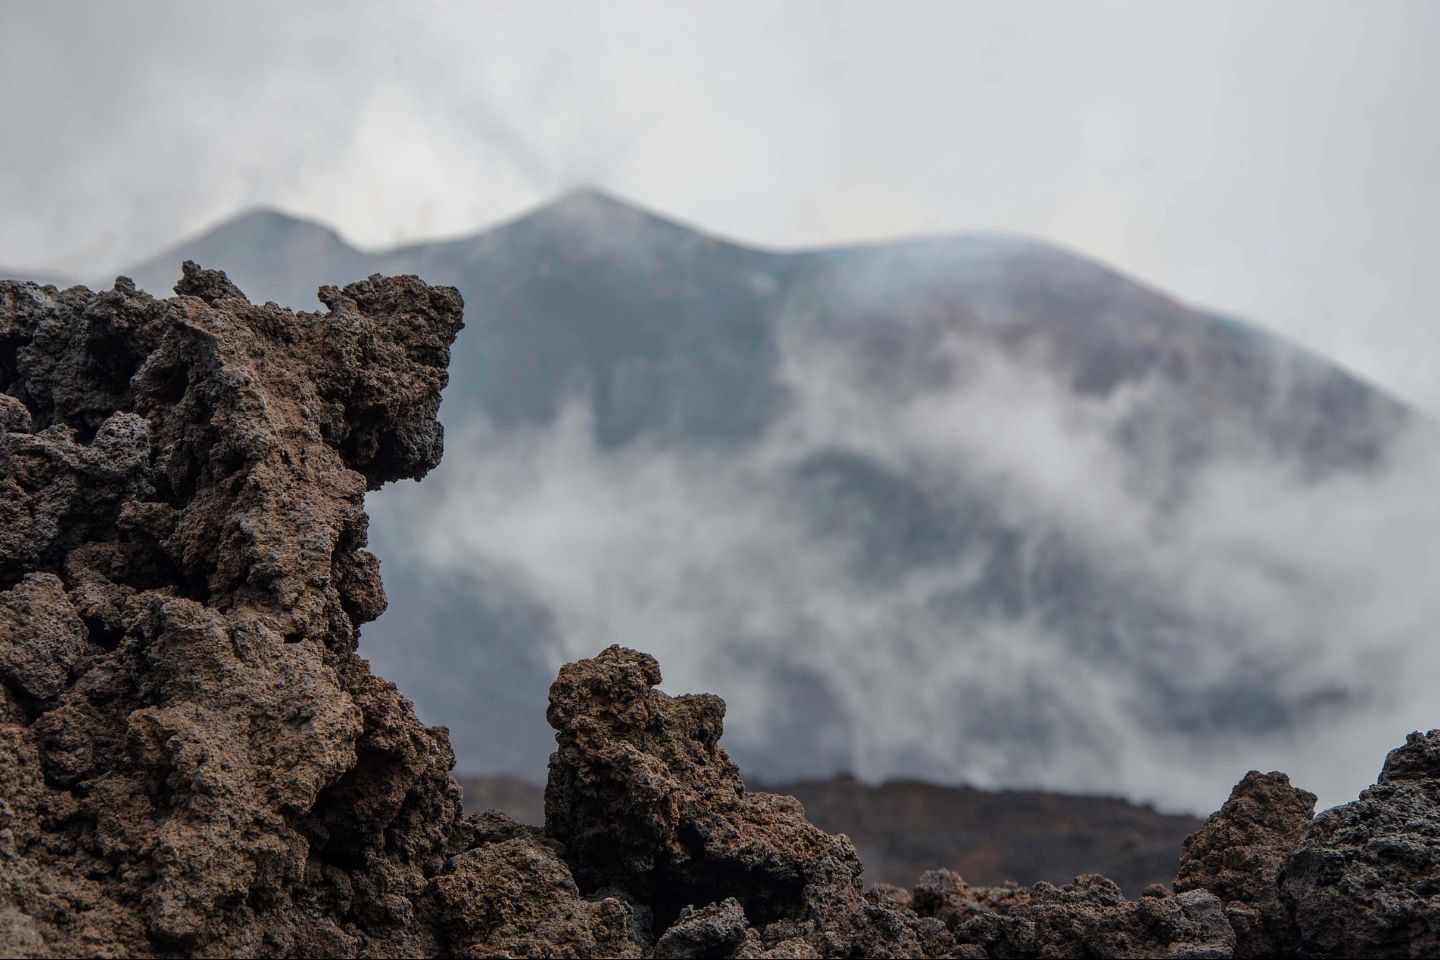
1277	161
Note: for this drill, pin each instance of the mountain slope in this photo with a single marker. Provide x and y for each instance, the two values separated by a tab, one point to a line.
662	324
903	828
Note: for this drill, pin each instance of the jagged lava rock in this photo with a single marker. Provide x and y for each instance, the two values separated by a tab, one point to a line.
1238	854
516	898
1365	879
643	796
196	760
645	800
717	930
1092	918
945	895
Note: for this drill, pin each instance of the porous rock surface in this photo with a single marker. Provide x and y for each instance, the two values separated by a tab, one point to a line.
1238	854
197	763
1365	879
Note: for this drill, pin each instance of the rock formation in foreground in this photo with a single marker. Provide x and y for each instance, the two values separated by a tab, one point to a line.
197	763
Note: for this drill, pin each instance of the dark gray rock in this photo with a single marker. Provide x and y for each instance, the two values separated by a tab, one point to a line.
1365	880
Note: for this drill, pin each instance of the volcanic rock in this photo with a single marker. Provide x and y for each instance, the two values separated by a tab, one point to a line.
644	799
1365	879
1091	918
516	898
717	930
1238	854
196	760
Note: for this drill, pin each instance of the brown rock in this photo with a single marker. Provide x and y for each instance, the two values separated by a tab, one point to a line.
41	638
718	930
196	760
1238	854
1092	918
516	898
644	799
944	895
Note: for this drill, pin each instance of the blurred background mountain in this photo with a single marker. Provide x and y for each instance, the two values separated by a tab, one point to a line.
971	509
902	828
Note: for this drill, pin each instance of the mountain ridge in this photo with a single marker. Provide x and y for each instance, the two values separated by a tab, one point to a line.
155	272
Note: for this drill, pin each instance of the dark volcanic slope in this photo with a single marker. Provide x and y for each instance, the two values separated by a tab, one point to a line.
974	479
901	829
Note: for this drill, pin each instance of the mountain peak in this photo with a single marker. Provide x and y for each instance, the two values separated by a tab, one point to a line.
271	222
589	196
268	253
593	219
591	205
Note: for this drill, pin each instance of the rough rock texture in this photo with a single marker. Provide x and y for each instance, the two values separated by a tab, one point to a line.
645	800
1092	918
515	897
643	797
196	761
198	764
1238	854
945	895
717	930
1365	880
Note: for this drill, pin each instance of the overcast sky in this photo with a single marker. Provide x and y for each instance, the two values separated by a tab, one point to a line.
1277	161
